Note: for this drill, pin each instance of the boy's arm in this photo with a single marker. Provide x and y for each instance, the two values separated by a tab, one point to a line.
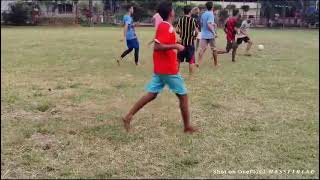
225	28
241	31
125	29
195	28
211	27
211	24
178	27
165	47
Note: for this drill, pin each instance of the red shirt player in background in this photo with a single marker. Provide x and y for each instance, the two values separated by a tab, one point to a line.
231	29
166	70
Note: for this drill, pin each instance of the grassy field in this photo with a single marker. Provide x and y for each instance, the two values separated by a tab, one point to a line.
62	97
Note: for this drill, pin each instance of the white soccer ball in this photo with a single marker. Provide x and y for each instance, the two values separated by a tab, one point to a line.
260	47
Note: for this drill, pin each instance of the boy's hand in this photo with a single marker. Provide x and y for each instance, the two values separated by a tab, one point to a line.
179	47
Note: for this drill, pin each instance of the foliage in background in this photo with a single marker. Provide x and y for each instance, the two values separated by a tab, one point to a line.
231	7
223	16
20	14
217	7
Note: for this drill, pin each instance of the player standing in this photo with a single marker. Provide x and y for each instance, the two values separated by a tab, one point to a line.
166	70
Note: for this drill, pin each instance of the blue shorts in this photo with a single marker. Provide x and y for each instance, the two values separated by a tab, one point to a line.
133	43
174	82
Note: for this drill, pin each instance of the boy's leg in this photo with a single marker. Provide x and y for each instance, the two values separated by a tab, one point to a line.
191	59
203	47
177	85
197	44
154	87
234	51
126	52
184	107
214	52
215	58
181	57
249	44
137	106
136	55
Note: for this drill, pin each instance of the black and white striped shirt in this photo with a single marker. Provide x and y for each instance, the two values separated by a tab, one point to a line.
187	26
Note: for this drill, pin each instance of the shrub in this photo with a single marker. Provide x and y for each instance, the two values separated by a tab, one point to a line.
231	7
19	14
245	8
217	7
223	16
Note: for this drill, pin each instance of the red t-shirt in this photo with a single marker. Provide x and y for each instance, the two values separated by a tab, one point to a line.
165	62
231	24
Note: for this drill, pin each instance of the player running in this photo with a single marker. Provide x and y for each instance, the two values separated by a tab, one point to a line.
243	35
187	29
130	36
231	29
208	34
166	70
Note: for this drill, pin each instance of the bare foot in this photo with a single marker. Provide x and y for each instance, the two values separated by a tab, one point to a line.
126	123
197	65
190	130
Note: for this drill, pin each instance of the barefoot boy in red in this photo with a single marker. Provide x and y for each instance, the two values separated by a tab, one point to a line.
166	70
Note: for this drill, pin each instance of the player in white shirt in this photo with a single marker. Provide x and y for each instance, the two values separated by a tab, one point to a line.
243	35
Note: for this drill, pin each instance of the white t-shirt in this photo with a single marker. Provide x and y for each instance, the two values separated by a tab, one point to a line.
244	28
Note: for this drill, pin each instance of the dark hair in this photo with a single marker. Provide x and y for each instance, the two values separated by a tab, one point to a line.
165	9
129	6
209	5
187	9
235	12
249	21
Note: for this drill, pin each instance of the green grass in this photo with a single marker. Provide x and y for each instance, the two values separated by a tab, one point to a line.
62	86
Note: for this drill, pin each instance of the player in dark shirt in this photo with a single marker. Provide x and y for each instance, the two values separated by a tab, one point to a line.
187	29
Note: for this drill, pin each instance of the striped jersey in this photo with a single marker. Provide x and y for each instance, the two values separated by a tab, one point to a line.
187	26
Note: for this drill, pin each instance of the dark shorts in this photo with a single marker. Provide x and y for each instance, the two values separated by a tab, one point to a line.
187	55
133	43
231	45
245	39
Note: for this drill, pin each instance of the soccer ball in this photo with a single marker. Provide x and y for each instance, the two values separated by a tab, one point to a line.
260	47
